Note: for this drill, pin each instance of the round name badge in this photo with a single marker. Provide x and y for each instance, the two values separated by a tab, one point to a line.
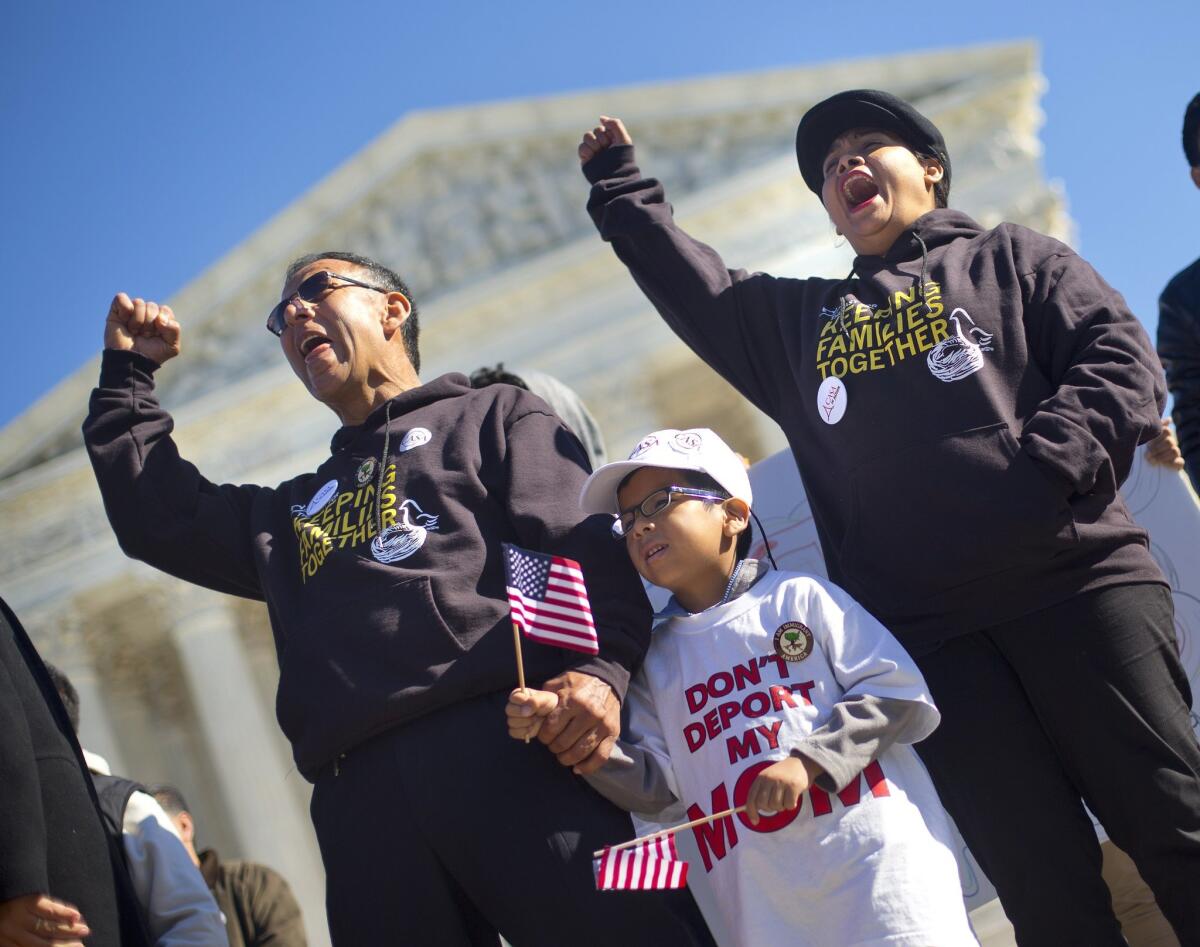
323	496
415	438
793	641
365	471
831	400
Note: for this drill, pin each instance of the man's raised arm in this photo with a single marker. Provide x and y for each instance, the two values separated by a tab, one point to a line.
160	507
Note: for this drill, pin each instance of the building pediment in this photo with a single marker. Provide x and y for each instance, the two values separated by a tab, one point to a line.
452	196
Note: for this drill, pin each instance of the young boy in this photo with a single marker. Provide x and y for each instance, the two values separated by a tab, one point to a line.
963	408
775	691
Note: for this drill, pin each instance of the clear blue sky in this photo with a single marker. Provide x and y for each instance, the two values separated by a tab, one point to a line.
141	141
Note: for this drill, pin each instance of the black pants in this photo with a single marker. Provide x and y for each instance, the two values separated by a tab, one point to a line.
446	830
1082	702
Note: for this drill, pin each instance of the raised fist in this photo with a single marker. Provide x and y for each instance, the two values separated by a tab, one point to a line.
608	133
145	327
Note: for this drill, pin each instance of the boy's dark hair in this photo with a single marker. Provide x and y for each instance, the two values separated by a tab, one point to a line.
66	693
1191	132
385	279
170	798
482	377
702	481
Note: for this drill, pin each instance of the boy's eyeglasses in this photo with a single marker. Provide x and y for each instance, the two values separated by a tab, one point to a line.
654	504
313	289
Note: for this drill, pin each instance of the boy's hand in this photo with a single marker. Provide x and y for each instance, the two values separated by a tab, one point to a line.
1163	451
145	327
778	788
527	710
608	133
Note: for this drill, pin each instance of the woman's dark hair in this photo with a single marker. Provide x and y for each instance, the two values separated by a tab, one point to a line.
941	190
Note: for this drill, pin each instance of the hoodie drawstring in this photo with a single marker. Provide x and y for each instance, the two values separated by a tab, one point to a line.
843	308
924	270
843	305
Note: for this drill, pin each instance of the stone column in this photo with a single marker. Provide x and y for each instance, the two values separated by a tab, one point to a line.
243	742
62	642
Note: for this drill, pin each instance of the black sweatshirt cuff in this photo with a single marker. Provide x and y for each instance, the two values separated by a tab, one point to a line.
617	161
118	366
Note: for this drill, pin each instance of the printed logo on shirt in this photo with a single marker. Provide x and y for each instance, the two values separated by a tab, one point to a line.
846	304
793	641
961	354
717	838
351	518
401	540
366	470
643	445
739	714
415	438
857	338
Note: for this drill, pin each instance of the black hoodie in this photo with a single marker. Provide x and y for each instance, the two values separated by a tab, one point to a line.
962	409
369	638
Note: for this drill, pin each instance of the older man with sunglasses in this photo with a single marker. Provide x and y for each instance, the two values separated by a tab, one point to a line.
383	576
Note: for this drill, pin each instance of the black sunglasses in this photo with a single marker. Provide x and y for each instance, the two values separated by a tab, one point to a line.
313	289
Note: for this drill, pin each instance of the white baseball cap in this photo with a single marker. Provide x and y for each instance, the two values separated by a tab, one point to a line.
697	449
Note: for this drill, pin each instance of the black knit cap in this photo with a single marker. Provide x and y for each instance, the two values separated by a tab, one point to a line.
862	108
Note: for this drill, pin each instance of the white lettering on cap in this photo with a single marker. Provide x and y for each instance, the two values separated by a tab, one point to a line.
831	400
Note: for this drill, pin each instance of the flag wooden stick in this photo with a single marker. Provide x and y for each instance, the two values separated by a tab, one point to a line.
520	662
671	831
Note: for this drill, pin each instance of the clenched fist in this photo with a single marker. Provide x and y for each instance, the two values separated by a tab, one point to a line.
608	133
145	327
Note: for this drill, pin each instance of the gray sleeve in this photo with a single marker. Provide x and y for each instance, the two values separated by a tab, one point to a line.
635	780
859	730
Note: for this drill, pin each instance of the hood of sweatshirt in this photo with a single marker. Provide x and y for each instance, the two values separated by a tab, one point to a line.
934	229
453	385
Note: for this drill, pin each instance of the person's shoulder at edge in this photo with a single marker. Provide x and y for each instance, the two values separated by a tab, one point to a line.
1184	286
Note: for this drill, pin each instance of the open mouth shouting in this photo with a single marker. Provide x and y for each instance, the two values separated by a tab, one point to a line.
314	345
858	190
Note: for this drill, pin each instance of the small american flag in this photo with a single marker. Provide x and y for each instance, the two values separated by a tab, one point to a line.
653	864
549	600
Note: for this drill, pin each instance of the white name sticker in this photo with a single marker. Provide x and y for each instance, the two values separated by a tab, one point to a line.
323	496
415	438
831	400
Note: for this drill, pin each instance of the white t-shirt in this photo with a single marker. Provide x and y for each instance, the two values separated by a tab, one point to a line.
725	693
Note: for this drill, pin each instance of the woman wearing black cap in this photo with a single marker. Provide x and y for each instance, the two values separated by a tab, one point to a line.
963	408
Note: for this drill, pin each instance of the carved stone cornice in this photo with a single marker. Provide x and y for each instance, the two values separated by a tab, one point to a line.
452	197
